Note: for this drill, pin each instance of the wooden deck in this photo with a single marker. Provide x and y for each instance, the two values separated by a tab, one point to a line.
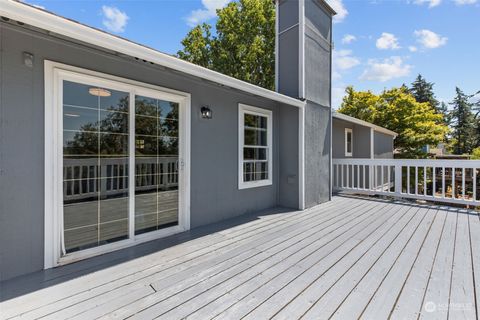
349	258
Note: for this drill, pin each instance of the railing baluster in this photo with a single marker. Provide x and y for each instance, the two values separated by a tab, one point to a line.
389	188
382	180
416	180
463	183
408	179
453	183
358	176
363	185
425	181
443	182
434	180
474	182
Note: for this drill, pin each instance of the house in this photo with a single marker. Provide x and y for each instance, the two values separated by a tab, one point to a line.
355	138
106	143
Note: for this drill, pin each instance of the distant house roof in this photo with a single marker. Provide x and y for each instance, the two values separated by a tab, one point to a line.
58	25
344	117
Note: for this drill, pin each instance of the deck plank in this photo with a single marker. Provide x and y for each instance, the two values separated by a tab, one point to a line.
387	293
198	296
438	289
259	304
410	299
358	298
474	224
462	295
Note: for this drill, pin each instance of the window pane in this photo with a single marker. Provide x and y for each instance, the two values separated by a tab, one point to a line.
95	147
255	153
254	121
255	171
156	164
255	137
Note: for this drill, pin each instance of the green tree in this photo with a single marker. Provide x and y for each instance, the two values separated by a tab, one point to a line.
423	92
244	44
417	124
463	124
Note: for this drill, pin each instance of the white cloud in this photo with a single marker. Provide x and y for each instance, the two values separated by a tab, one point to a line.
412	49
348	38
340	9
208	12
114	19
431	3
343	60
463	2
430	39
388	69
338	92
387	41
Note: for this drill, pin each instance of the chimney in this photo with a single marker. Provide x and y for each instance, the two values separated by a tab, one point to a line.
303	49
303	70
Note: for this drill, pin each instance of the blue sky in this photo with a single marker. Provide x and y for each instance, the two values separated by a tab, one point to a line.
378	43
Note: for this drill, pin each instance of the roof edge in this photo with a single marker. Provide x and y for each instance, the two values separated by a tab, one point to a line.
49	21
344	117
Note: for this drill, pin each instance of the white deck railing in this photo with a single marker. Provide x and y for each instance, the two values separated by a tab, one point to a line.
449	181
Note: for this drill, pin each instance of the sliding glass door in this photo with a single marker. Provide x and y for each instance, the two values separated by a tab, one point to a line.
121	172
156	164
95	166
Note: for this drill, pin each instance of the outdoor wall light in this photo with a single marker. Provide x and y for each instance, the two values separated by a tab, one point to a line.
206	112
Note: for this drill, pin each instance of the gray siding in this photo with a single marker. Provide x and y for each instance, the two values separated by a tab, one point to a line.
288	52
317	154
383	143
383	146
214	143
361	139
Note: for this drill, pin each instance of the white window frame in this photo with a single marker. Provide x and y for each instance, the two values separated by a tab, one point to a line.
347	131
55	74
247	109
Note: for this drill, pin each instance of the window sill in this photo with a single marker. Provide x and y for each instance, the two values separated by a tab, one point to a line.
255	184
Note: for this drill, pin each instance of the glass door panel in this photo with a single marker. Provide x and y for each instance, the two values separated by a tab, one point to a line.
95	166
156	164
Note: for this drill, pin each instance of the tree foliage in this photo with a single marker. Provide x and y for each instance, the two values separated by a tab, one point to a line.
417	124
463	124
243	46
422	90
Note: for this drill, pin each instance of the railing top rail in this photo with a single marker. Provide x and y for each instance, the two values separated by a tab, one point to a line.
411	162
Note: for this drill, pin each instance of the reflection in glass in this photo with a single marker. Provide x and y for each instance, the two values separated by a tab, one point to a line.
95	168
156	164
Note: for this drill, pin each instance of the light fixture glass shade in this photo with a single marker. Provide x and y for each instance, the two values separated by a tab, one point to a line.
99	92
206	112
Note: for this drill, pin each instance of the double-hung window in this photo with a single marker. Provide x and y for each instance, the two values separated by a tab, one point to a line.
255	147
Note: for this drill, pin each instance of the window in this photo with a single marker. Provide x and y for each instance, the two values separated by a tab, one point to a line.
255	147
348	142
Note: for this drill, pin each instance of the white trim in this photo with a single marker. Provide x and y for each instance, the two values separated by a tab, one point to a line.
301	159
301	49
246	109
372	143
55	73
344	117
277	39
58	25
347	131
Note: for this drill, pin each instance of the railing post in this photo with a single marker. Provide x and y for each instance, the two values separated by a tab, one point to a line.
398	179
